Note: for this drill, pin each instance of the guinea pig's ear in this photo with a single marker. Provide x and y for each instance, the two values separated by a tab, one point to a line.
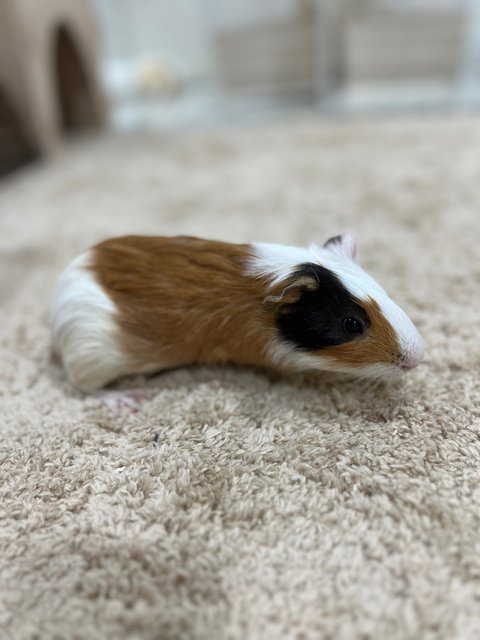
290	290
347	241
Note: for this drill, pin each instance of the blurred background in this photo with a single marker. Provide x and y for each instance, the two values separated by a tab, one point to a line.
70	67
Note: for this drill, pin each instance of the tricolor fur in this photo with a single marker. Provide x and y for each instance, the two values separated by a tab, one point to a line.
142	304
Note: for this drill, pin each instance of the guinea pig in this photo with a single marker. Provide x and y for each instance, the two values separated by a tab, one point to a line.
141	304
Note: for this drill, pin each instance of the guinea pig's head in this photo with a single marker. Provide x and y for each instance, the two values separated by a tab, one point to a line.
330	314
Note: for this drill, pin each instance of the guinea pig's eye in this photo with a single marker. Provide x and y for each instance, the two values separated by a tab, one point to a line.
352	325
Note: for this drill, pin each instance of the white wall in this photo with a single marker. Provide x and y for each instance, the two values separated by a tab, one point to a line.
172	31
226	14
179	34
176	32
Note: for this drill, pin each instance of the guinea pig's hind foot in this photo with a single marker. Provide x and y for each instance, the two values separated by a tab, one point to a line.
119	402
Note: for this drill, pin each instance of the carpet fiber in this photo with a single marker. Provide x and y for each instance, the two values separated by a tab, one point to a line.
236	503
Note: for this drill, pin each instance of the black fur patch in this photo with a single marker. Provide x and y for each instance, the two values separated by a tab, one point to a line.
315	320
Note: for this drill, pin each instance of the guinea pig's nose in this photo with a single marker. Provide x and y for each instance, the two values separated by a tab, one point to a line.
414	356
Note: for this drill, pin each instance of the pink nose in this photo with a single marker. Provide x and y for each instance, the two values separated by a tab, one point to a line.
413	358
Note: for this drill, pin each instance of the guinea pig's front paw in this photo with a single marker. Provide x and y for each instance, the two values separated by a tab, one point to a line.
119	401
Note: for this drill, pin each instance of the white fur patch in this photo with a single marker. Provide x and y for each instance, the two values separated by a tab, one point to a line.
277	262
85	334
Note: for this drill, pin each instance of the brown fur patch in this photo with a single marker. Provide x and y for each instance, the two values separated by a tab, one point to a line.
184	300
379	345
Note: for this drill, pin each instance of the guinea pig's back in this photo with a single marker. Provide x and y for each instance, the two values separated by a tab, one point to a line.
139	304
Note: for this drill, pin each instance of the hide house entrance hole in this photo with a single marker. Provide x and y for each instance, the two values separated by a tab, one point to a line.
76	104
15	148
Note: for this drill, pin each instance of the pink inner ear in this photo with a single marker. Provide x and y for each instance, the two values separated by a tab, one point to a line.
349	243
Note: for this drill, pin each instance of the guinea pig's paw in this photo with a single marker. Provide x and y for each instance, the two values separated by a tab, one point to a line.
117	402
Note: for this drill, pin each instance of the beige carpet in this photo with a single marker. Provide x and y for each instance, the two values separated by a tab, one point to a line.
237	504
